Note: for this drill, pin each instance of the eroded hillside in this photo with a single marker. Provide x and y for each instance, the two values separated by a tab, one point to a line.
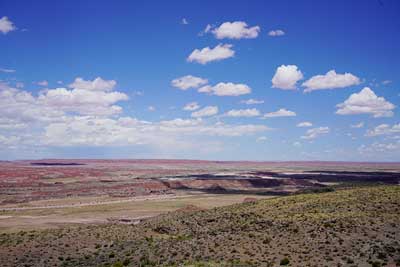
357	227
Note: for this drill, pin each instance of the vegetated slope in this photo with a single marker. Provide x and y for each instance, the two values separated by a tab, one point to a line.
356	227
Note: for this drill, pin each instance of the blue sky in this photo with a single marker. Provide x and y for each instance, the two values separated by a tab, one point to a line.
101	79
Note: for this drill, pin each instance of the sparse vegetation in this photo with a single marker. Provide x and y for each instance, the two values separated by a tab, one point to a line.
353	227
284	261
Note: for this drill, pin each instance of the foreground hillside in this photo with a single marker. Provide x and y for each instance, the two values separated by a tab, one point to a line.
357	227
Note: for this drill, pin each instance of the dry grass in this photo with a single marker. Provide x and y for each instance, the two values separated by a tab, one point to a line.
357	227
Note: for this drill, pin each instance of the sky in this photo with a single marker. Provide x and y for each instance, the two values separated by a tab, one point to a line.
216	80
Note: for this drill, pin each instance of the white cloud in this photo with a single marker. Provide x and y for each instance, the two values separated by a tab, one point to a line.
386	82
286	77
188	81
261	139
366	102
19	84
226	89
11	124
205	112
64	117
151	108
20	106
7	70
56	104
138	93
43	83
331	80
379	148
357	125
243	113
97	84
85	102
275	33
315	132
207	29
384	129
9	141
280	113
191	106
235	30
304	124
296	144
89	131
252	101
184	21
6	25
178	122
207	54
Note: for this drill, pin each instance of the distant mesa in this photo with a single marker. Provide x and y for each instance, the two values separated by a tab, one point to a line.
57	164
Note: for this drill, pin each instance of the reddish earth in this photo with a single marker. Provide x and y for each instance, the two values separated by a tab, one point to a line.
23	181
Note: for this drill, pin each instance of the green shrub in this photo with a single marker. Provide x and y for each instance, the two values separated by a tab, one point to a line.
126	262
118	264
284	261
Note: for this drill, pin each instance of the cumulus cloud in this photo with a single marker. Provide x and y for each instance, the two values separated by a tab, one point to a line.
21	106
89	131
235	30
85	102
205	112
63	117
286	77
331	80
207	54
384	129
226	89
315	132
366	102
275	33
252	101
243	113
304	124
280	113
188	81
6	25
191	106
97	84
56	104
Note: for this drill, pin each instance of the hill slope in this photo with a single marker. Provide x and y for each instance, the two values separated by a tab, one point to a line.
357	227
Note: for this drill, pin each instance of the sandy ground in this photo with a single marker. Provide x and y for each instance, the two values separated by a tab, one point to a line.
52	214
34	204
